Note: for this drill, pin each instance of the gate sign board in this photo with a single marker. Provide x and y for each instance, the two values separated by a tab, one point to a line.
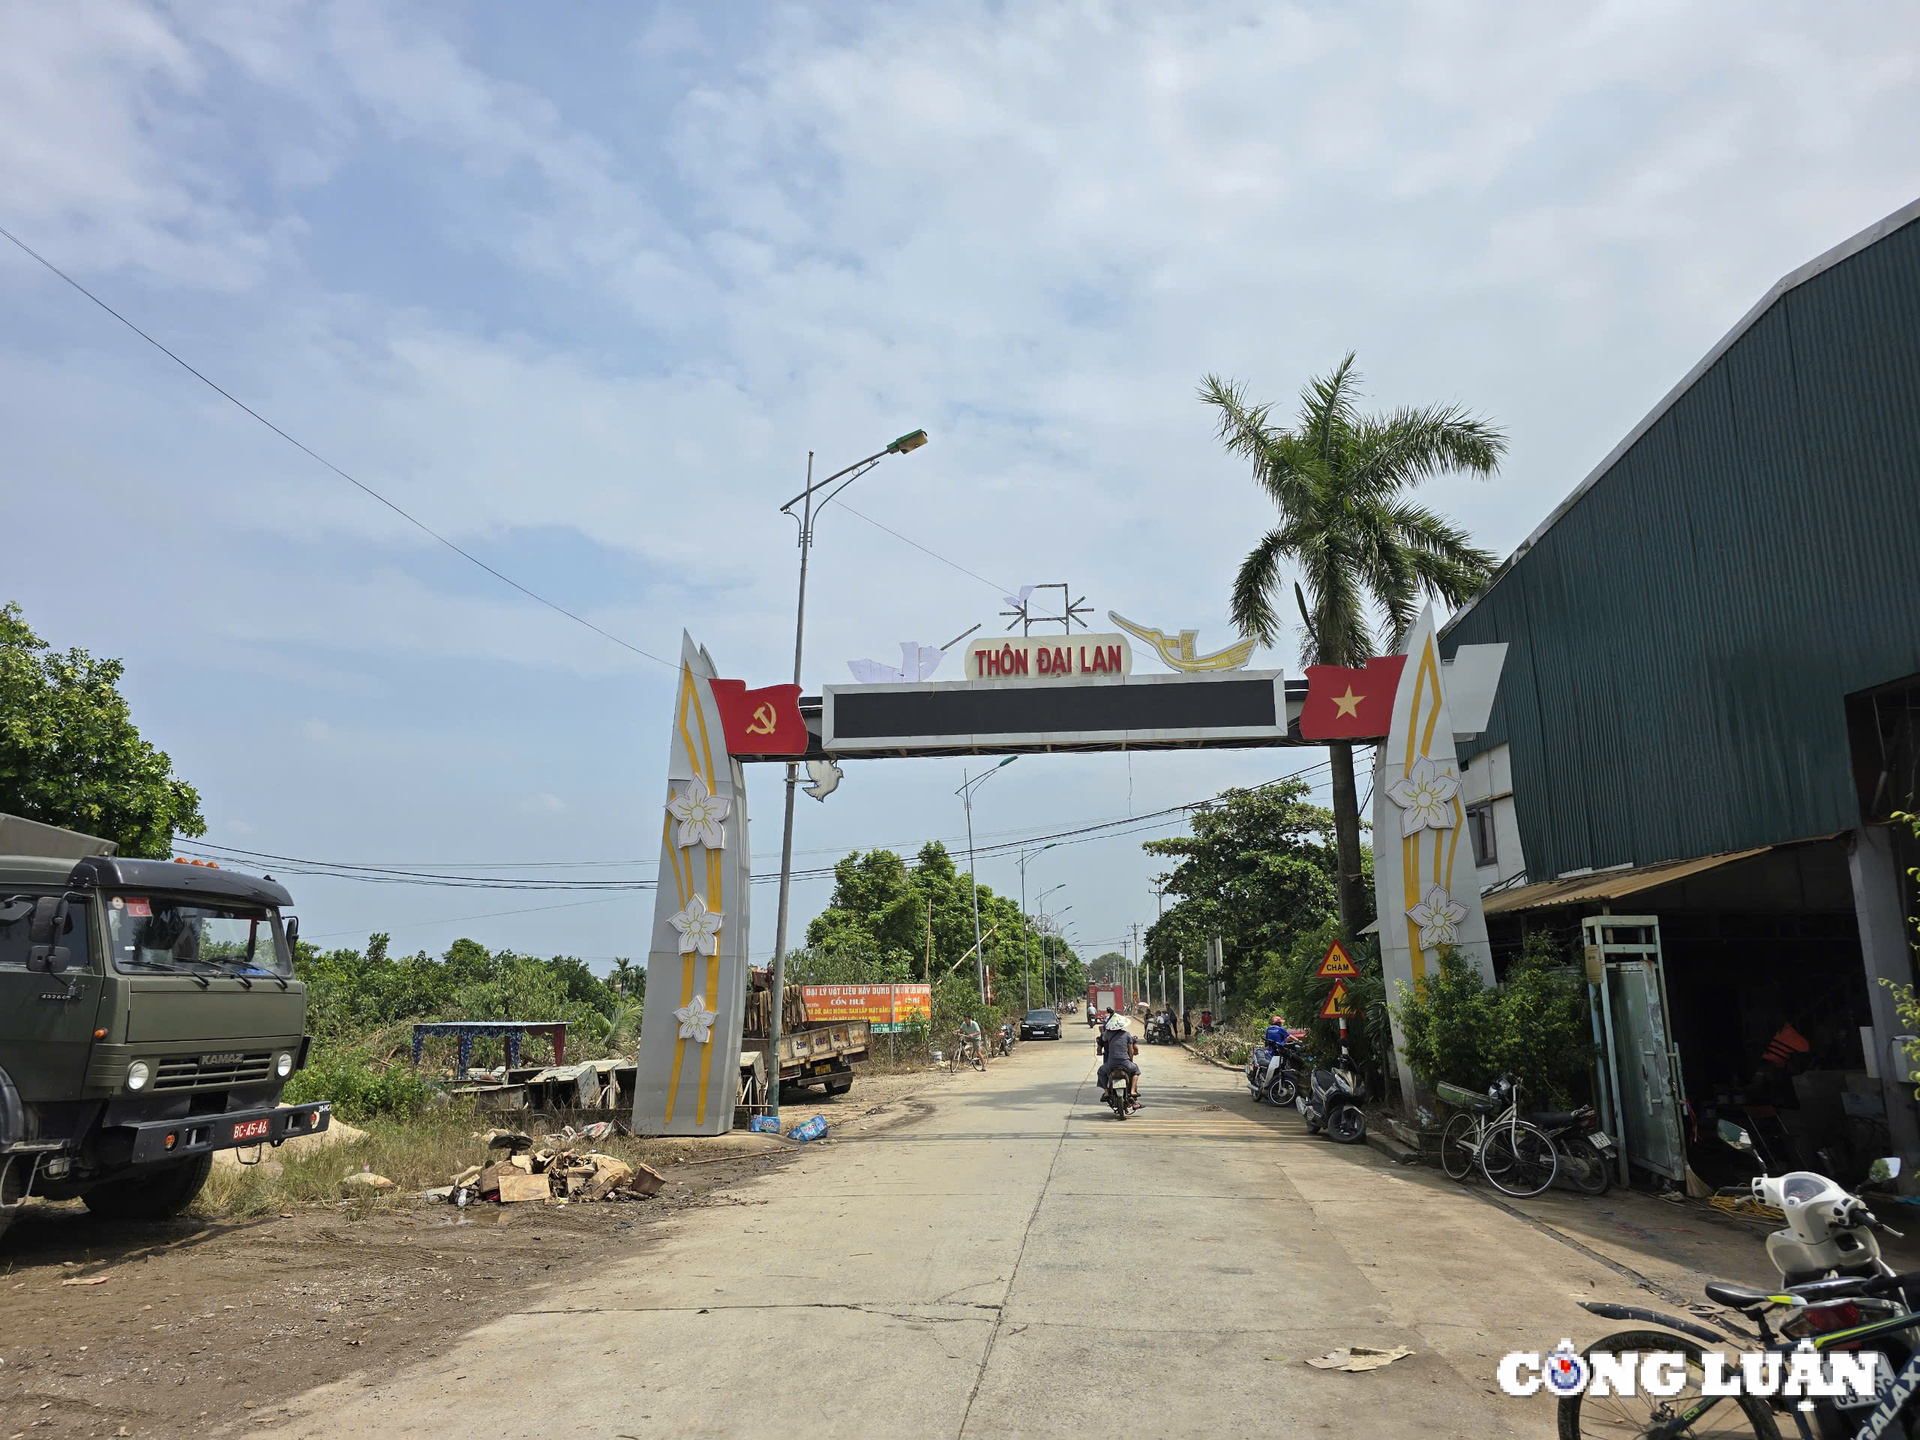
688	1075
1042	657
1090	711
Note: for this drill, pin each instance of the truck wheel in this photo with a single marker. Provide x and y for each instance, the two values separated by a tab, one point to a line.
159	1196
840	1085
14	1170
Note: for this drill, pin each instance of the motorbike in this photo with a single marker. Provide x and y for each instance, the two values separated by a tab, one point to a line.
1274	1075
1115	1094
1160	1031
1331	1101
1587	1153
1836	1292
1003	1041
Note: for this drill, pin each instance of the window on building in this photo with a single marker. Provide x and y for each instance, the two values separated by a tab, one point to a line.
1480	831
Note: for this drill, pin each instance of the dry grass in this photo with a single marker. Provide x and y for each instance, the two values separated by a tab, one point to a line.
417	1154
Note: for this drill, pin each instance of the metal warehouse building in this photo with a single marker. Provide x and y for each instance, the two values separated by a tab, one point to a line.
1708	715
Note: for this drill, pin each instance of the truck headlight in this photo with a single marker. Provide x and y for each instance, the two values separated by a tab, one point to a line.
283	1064
137	1075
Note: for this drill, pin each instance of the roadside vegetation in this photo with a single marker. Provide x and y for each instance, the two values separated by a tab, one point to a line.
889	922
362	1006
1534	1024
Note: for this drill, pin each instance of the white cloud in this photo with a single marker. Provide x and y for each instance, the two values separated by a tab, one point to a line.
1030	230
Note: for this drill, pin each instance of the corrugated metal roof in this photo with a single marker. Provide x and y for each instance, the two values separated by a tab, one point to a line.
1607	884
1683	637
1851	246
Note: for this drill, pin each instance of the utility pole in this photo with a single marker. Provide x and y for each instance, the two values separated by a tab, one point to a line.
965	792
777	975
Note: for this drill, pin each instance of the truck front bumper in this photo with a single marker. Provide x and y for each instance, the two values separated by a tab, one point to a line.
161	1140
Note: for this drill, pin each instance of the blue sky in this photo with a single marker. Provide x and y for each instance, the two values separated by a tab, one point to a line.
581	288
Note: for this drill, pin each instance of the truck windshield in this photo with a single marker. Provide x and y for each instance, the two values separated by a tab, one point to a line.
151	932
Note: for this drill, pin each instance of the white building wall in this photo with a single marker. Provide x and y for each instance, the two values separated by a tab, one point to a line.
1488	780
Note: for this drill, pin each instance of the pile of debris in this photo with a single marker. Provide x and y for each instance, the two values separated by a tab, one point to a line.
564	1169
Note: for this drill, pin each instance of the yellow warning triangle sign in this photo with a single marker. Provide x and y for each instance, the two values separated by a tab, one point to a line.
1338	964
1337	1006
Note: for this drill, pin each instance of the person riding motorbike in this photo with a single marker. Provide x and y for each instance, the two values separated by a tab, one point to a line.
1118	1048
1278	1037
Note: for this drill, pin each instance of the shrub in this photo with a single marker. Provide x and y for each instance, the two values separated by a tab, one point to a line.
359	1087
1536	1025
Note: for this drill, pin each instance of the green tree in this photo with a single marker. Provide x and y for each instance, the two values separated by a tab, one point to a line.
1258	871
70	754
1339	479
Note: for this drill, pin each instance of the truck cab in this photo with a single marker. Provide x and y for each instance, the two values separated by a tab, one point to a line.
148	1017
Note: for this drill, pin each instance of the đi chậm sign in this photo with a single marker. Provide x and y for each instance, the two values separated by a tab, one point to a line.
1042	657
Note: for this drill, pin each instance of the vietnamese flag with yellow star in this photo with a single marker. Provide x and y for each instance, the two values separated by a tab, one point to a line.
1344	704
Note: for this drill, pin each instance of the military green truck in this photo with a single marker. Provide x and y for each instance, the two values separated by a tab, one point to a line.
148	1017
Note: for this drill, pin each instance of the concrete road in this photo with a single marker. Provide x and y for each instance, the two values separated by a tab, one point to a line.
986	1269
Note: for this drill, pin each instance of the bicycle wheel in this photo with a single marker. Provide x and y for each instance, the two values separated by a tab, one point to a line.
1459	1147
1519	1159
1616	1417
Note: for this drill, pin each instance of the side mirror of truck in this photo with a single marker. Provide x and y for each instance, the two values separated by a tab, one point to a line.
51	920
293	934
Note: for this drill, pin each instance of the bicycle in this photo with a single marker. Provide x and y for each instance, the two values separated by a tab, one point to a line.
1847	1312
1515	1155
967	1049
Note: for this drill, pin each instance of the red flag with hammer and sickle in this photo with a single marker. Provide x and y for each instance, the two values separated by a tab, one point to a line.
1345	704
760	722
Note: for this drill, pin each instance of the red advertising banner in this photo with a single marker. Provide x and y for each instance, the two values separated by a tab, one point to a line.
883	1007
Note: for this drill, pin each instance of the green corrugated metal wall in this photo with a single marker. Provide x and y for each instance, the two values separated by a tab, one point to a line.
1681	639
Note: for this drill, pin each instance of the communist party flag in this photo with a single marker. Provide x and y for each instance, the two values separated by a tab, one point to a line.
1345	704
760	722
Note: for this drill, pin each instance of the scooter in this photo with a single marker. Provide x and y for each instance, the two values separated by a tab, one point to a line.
1115	1094
1331	1102
1003	1043
1159	1031
1274	1075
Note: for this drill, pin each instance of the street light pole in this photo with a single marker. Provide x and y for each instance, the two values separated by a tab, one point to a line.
965	792
1027	946
776	1009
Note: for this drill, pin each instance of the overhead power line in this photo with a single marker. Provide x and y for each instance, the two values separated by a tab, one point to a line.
361	872
313	454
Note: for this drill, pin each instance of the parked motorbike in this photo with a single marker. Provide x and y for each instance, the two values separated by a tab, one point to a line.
1587	1153
1274	1075
1331	1101
1160	1031
1836	1292
1003	1042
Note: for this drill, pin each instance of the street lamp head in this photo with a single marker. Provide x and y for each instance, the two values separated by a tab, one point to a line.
1006	762
910	441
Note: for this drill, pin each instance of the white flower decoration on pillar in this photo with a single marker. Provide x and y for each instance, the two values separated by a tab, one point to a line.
700	813
696	1022
699	927
1439	917
1425	797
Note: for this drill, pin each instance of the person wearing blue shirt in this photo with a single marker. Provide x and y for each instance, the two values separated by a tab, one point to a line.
1278	1037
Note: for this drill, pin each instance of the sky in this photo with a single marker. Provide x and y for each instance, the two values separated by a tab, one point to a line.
582	288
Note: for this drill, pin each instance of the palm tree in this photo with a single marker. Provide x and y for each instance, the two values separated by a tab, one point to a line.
1338	478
